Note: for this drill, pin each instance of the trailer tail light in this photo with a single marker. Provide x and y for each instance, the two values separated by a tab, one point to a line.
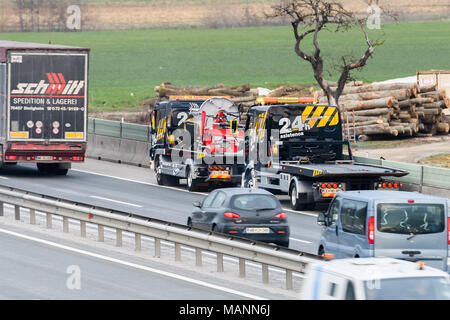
281	215
231	215
77	158
11	157
371	231
329	190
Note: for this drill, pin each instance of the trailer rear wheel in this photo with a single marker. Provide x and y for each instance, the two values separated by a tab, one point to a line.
52	168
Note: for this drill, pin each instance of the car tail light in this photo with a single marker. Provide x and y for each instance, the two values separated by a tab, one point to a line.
448	231
281	215
371	231
410	201
231	215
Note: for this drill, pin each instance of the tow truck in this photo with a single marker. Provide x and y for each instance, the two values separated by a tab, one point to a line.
295	146
197	138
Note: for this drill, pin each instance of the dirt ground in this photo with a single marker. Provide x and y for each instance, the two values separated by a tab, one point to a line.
413	150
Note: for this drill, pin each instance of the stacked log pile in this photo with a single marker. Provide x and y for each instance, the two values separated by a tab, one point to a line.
392	109
241	94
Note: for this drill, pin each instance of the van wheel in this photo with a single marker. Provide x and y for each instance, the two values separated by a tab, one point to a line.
321	251
296	203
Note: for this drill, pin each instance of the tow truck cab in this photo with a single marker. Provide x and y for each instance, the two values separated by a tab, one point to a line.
296	146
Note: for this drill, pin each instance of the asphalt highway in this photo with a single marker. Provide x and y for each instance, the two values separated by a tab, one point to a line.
42	267
134	190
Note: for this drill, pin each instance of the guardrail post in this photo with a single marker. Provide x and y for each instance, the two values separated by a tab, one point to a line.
49	220
177	252
289	279
219	262
118	238
421	179
65	224
1	209
265	273
157	248
198	257
83	229
137	241
242	267
101	233
32	216
17	212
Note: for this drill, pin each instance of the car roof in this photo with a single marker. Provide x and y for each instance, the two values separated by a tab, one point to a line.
387	195
377	268
235	191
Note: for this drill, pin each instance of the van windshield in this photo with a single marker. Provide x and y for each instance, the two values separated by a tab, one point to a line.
407	218
413	288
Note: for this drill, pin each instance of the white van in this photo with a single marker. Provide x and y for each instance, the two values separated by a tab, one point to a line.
374	279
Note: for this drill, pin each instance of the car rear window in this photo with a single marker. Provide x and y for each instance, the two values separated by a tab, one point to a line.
255	202
407	218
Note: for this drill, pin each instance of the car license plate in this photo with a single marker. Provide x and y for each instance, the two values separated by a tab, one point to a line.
44	158
257	230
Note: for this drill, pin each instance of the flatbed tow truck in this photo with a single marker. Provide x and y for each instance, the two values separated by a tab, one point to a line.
197	138
296	147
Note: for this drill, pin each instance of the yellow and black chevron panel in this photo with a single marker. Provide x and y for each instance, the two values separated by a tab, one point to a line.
317	173
320	116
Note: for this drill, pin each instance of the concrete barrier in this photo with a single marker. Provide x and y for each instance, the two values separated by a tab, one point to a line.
103	148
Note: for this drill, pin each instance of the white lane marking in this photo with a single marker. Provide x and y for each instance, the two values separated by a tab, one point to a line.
116	201
5	178
133	265
136	181
173	188
299	240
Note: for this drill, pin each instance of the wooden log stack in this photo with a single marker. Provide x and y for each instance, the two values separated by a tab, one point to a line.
383	110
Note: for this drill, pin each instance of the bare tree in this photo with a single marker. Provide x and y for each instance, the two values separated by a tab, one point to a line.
309	18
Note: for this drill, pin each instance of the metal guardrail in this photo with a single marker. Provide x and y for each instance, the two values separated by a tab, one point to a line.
243	249
423	176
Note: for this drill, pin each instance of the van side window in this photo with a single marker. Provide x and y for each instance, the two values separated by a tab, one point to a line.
350	292
354	216
334	209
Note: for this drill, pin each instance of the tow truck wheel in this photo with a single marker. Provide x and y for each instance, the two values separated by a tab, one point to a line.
248	181
164	179
296	203
191	182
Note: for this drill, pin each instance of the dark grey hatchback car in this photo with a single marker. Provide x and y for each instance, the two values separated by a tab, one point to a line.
249	213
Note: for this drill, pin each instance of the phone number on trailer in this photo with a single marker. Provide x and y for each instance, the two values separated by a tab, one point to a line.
65	108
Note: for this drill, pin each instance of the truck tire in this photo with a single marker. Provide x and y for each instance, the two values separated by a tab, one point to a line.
164	179
296	202
52	168
192	183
